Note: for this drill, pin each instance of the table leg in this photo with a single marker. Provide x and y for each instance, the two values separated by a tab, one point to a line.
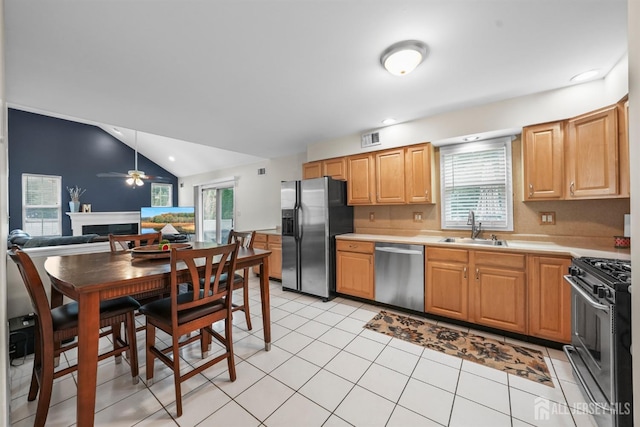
56	301
266	304
88	336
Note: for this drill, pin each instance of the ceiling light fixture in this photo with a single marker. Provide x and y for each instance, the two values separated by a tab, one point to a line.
403	57
471	138
584	76
388	121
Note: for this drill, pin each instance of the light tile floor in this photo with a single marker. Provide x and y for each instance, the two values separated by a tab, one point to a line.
324	369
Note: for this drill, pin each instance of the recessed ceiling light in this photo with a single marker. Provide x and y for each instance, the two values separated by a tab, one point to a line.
172	159
471	138
584	76
403	57
388	121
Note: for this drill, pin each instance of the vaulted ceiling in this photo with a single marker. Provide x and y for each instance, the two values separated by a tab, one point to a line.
217	83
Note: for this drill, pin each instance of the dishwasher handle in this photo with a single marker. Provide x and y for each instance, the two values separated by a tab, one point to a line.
395	250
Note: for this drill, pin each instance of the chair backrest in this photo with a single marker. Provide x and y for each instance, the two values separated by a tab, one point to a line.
35	288
244	238
204	266
124	242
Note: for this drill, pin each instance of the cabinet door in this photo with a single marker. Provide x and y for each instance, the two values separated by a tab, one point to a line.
312	170
360	181
446	289
543	161
260	242
417	169
354	274
390	176
275	259
499	298
335	168
549	298
592	155
623	146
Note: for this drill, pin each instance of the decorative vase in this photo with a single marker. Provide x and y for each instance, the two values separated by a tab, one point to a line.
74	206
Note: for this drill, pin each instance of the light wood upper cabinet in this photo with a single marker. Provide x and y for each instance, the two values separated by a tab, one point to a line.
549	298
543	161
360	180
623	144
335	168
312	170
592	163
390	176
418	173
354	268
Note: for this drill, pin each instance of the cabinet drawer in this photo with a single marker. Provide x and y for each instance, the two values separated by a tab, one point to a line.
495	259
354	246
273	238
445	254
260	237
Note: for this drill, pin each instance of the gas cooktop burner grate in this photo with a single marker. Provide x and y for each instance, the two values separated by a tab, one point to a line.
617	270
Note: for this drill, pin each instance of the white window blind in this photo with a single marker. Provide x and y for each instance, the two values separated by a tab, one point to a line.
41	207
477	177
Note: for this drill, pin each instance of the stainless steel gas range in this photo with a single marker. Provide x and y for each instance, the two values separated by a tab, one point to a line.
601	337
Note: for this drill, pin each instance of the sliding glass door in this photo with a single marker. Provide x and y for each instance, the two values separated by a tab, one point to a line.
216	209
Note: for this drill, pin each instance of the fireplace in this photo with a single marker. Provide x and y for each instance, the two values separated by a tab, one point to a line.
103	223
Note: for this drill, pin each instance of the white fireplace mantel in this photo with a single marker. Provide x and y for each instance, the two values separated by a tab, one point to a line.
78	219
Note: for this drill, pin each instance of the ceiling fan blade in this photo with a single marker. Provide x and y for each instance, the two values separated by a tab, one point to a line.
157	178
111	175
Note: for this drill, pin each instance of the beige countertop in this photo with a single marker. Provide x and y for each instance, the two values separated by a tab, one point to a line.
275	231
542	248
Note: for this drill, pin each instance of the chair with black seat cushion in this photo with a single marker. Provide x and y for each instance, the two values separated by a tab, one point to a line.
190	311
245	240
121	243
56	326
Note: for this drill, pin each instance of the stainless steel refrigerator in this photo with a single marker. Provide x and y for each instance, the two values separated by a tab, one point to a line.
314	211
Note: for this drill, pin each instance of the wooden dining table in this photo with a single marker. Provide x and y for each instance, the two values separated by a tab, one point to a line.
94	277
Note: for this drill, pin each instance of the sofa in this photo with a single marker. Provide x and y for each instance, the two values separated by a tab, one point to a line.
23	240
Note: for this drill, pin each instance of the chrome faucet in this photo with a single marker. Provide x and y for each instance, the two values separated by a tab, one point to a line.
475	230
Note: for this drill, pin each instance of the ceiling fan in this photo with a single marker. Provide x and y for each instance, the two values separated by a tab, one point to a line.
134	177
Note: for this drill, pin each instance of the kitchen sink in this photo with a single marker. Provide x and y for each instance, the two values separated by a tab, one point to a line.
470	241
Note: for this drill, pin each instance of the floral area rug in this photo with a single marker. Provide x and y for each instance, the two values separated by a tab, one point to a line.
510	358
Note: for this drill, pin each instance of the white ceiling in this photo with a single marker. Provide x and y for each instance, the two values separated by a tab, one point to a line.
265	78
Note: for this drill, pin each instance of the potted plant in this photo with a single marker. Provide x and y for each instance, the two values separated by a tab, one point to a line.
75	193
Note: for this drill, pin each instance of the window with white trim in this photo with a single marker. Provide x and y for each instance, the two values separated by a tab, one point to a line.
477	177
161	194
41	204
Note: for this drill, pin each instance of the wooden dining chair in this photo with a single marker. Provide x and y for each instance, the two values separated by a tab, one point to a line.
121	243
55	327
245	240
190	311
126	242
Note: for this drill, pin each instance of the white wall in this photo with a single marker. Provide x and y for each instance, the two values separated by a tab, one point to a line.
510	114
257	197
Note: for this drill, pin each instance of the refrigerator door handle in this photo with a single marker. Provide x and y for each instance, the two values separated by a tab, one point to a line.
298	223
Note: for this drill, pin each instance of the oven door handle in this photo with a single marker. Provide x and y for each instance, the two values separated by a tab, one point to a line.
568	349
585	295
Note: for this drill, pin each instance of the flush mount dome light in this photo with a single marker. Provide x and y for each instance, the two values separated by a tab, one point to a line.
584	76
403	57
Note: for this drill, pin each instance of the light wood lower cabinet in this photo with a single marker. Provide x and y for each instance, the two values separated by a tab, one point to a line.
272	242
447	284
549	298
354	268
498	290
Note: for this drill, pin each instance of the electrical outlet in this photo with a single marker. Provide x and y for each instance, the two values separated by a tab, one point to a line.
372	216
547	218
417	217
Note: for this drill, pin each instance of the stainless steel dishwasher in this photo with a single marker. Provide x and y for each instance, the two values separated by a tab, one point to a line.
399	275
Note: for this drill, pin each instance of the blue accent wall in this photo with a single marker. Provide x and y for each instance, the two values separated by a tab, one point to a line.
77	152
